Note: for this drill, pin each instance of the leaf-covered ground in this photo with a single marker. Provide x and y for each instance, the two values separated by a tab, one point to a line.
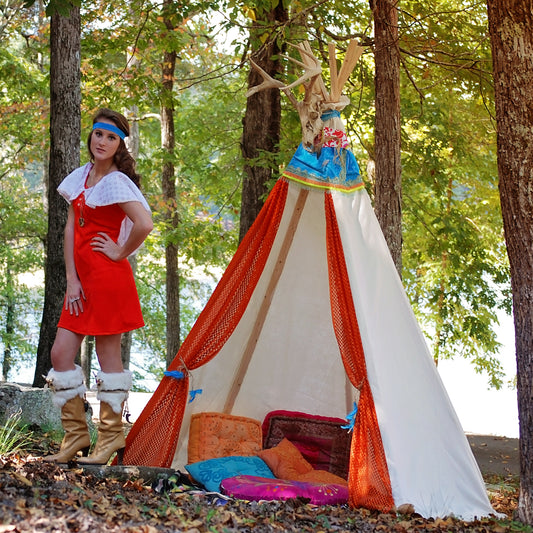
42	497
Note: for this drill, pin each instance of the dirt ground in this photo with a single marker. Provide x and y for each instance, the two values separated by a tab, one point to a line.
496	455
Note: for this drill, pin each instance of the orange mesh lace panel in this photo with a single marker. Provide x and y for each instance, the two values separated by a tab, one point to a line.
368	480
153	438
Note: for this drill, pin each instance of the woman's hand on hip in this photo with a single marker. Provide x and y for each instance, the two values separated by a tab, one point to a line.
103	243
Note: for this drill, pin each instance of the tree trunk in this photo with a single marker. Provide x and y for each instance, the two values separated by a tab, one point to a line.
169	192
65	132
132	142
388	172
510	23
86	357
7	360
261	125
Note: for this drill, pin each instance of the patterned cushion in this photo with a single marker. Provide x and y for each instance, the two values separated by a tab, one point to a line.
321	440
210	473
258	488
213	435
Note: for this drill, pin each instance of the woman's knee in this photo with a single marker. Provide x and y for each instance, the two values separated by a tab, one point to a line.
64	350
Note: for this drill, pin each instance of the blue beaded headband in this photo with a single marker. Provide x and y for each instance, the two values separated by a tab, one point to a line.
109	127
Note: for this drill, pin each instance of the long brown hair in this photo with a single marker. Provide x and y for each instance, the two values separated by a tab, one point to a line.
122	159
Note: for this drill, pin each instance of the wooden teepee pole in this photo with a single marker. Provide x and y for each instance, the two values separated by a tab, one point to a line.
265	304
353	53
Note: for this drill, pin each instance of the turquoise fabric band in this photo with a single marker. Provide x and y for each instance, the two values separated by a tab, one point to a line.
109	127
330	113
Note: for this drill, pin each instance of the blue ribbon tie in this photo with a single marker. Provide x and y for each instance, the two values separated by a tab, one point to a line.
176	374
351	419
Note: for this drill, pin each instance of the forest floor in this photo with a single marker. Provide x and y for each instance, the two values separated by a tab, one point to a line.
43	497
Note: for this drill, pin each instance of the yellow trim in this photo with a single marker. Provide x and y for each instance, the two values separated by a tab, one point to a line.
322	185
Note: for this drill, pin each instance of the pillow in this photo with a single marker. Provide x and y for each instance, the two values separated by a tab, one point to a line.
211	472
285	461
221	435
321	476
254	488
321	440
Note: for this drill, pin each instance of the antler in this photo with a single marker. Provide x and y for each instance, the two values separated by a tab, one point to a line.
311	72
316	99
268	81
309	109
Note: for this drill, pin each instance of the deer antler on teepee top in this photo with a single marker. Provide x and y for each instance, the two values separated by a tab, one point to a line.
316	99
312	70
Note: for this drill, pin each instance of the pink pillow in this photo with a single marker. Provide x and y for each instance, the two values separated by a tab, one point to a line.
254	488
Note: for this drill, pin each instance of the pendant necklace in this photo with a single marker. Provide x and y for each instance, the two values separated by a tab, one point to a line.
87	193
81	219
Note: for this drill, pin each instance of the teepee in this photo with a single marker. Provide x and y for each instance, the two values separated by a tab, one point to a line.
311	316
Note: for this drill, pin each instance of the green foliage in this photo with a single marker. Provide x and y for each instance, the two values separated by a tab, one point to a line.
15	436
59	7
22	226
455	265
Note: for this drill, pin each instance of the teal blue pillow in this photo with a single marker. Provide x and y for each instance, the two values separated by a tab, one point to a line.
211	472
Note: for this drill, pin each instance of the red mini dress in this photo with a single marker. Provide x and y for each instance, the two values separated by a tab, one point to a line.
111	303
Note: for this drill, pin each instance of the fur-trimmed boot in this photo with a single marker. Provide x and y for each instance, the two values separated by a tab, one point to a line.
69	389
112	392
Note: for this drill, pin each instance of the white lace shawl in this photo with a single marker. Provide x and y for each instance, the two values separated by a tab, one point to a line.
113	188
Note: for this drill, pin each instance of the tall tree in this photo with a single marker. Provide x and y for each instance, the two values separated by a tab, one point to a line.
168	179
65	132
510	27
262	120
388	178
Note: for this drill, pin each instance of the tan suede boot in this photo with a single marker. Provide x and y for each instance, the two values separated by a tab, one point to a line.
68	391
112	393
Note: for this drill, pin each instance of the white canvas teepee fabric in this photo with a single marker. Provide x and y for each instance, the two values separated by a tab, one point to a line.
311	316
296	362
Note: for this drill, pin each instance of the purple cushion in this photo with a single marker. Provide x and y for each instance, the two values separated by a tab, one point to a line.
259	488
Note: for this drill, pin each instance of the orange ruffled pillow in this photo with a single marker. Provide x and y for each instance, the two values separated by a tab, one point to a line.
286	462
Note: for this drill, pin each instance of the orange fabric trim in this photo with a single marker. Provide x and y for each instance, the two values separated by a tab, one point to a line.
368	480
153	438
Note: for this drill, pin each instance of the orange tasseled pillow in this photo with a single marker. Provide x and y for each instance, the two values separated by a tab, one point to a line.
285	460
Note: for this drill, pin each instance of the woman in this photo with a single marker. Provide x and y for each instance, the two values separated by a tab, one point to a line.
108	219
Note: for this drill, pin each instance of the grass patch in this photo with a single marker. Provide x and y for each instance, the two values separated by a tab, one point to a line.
15	436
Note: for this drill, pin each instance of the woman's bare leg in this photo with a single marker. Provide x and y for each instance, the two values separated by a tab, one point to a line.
108	352
64	350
